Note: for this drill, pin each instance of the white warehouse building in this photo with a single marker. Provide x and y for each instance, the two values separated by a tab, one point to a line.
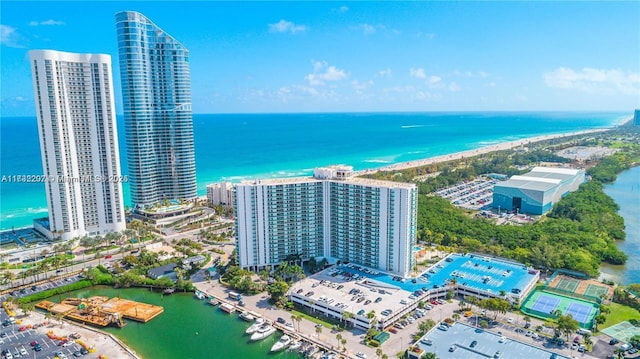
331	215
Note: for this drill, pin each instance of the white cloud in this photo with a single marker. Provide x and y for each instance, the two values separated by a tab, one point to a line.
9	36
360	86
287	26
385	73
343	9
428	35
322	72
401	89
368	29
434	80
418	73
453	87
49	22
590	80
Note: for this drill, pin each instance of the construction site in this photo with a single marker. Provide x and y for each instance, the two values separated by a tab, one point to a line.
102	311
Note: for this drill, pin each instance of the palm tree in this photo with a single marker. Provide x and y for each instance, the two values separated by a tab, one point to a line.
339	338
344	344
299	319
455	316
379	353
318	330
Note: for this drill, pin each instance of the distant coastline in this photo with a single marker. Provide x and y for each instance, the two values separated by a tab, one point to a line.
480	151
261	146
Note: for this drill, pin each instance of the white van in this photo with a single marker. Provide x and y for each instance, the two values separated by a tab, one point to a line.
584	331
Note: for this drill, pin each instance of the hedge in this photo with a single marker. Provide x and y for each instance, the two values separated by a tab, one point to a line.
55	291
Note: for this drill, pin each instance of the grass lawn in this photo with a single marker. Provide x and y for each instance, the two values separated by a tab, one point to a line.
312	319
619	313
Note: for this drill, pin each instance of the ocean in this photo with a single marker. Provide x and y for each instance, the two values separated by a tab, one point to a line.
234	147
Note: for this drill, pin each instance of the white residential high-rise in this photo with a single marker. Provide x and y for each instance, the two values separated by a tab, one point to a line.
220	194
78	142
332	215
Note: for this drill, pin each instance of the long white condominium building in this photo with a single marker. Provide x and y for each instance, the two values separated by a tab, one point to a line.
78	142
332	215
220	194
156	92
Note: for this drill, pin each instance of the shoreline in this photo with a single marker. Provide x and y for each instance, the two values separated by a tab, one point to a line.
402	165
475	152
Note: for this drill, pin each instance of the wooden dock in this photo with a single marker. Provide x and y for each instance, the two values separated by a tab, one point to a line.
129	309
102	311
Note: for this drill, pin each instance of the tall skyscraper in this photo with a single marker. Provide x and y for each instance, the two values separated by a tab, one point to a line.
154	70
332	215
79	142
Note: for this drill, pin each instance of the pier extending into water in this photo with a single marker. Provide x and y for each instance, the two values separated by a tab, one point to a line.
102	311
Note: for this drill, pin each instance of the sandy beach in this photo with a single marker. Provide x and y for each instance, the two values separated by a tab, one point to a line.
105	344
470	153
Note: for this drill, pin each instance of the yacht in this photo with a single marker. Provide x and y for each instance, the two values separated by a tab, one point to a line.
246	316
200	295
264	331
213	301
254	327
295	346
281	344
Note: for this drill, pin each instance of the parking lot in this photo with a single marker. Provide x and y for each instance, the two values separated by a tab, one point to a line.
473	195
17	341
44	285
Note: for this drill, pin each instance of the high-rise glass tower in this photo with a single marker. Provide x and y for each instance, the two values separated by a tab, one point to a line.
79	142
154	70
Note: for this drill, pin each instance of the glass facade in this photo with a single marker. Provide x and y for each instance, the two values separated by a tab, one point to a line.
156	90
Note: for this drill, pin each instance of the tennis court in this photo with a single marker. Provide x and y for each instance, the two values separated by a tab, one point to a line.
567	284
579	311
623	331
541	304
596	291
545	304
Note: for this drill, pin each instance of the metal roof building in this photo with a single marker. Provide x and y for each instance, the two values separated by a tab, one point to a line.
535	192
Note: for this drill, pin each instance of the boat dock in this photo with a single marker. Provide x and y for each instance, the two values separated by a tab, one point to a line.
307	339
102	311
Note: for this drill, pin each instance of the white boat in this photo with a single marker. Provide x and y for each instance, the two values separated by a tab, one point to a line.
227	307
254	327
264	331
281	344
200	295
247	316
213	301
295	345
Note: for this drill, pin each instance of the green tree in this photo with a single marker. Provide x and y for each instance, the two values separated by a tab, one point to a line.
277	290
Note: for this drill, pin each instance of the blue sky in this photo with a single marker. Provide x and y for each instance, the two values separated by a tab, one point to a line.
334	56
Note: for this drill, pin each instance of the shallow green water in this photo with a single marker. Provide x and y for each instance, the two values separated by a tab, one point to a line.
188	328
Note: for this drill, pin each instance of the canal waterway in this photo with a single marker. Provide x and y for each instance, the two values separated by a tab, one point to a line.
188	328
625	191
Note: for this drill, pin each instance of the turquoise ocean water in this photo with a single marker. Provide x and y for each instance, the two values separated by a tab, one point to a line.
245	146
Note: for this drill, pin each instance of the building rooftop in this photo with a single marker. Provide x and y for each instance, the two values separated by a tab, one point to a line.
349	180
540	178
488	345
324	285
480	272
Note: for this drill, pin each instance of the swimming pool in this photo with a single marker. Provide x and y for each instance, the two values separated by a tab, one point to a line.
472	271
